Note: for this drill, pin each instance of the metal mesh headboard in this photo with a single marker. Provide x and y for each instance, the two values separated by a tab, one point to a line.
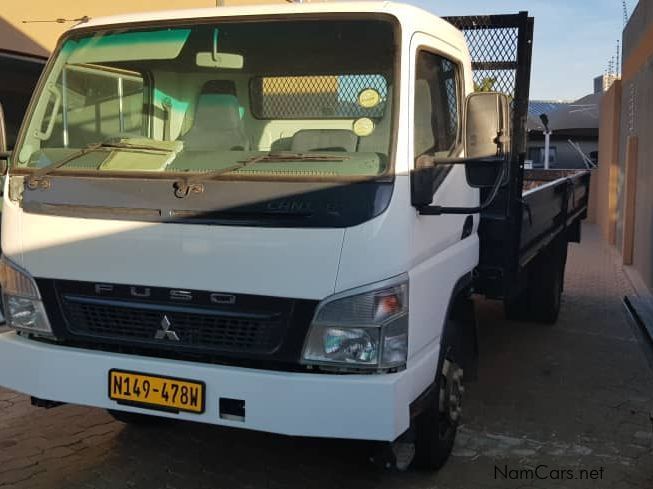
501	47
316	96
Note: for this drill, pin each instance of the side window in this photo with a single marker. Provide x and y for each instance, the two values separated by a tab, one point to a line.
437	104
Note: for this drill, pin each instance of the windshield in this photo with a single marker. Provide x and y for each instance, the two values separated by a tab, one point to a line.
289	100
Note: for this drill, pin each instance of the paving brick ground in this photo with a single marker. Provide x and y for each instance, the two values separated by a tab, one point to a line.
565	398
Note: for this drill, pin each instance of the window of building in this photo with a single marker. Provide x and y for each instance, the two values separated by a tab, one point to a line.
536	155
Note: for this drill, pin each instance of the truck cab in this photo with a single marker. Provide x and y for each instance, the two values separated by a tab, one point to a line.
215	215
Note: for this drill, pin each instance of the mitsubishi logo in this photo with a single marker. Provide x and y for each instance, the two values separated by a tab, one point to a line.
165	333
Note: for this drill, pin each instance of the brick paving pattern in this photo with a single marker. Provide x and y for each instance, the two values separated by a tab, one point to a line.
572	396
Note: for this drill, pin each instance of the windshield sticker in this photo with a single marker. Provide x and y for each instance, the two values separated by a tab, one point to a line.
369	98
363	127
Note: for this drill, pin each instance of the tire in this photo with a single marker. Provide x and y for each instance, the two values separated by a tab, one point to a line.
137	419
540	301
548	293
437	425
518	308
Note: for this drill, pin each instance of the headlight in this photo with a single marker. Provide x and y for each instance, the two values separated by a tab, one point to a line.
365	327
23	307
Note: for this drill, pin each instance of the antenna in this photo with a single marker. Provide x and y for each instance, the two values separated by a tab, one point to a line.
625	7
60	20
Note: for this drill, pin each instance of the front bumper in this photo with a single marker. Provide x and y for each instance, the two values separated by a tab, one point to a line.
365	407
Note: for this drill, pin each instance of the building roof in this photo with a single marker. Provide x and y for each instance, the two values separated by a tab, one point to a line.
580	114
33	58
13	40
537	107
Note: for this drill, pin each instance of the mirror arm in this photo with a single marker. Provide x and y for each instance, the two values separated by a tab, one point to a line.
437	210
5	155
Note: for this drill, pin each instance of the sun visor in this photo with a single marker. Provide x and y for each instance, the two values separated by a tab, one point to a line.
128	46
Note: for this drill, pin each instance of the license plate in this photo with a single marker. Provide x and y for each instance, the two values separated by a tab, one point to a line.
156	391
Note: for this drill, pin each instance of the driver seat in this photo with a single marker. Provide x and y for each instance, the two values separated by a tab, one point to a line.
217	125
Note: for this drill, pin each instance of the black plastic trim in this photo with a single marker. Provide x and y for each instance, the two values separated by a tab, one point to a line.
228	203
298	314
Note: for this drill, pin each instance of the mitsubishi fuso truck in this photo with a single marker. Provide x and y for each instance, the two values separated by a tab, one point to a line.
276	218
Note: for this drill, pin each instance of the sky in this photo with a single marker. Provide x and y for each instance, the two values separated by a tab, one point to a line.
573	40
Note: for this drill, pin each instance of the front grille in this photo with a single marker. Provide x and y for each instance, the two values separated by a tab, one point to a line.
215	330
213	327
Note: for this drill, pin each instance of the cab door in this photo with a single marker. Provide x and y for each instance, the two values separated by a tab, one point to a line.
445	248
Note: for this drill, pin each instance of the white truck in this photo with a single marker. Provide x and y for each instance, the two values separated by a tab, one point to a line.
274	218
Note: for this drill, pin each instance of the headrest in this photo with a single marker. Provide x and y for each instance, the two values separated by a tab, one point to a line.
424	139
217	111
224	87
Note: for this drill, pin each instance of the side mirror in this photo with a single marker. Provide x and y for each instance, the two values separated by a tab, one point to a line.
487	147
487	125
487	136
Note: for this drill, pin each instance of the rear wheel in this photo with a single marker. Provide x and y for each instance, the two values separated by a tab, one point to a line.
548	293
541	300
518	308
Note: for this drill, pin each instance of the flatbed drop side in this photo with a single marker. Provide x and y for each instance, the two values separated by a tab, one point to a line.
531	279
202	227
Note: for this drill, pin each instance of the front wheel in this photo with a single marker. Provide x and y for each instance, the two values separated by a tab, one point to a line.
436	427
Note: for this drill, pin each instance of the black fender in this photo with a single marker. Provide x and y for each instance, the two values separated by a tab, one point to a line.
460	327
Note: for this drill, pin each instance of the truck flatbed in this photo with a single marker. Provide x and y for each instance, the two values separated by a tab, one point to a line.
554	202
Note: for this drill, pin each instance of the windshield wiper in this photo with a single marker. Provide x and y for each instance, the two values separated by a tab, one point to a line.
36	179
187	185
281	156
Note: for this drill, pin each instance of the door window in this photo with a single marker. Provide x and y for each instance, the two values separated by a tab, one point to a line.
437	104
